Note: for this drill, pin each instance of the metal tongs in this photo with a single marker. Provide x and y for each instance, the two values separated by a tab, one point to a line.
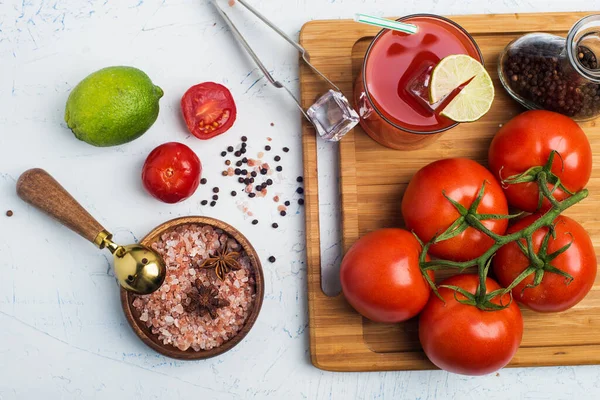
331	115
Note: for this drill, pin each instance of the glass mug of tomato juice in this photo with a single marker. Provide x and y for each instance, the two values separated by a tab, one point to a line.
391	92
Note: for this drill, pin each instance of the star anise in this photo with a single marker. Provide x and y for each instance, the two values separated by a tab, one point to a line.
223	262
206	301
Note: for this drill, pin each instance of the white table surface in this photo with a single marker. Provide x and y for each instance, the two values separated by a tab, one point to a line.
62	332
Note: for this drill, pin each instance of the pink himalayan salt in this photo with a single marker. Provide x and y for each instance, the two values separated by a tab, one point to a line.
184	249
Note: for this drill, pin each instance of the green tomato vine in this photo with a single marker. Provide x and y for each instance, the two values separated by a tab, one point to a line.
539	263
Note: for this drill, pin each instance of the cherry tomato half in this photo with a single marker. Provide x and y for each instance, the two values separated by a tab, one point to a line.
381	277
463	339
555	293
526	141
172	172
208	109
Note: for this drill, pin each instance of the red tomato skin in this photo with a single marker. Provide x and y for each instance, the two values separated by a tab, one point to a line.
199	94
552	294
381	278
526	141
172	172
428	213
464	339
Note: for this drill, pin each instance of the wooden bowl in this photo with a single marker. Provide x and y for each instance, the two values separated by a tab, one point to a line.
151	339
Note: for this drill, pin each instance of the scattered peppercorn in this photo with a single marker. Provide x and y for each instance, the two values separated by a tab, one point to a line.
286	149
244	160
287	203
237	171
253	174
251	195
299	179
9	213
223	153
203	181
213	203
224	173
269	182
233	193
301	202
263	185
254	222
299	190
227	162
238	164
268	148
215	197
277	158
244	138
229	149
272	124
263	171
275	225
244	172
279	168
247	181
238	153
250	180
272	259
204	202
283	213
258	188
244	145
243	150
215	190
241	180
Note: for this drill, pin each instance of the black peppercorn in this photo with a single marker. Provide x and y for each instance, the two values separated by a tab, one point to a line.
277	158
285	149
244	160
299	190
238	164
241	180
251	195
244	172
253	174
283	213
287	203
254	222
238	153
204	202
275	225
299	179
243	150
272	259
203	181
263	171
279	168
215	190
268	148
301	202
247	181
269	182
237	171
223	153
229	149
258	188
244	138
213	203
215	197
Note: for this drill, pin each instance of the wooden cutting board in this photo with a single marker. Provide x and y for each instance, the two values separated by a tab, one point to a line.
373	179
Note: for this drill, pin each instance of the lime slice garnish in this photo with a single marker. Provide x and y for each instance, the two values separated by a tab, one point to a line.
474	100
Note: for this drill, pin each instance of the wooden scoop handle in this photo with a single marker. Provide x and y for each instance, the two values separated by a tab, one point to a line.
42	191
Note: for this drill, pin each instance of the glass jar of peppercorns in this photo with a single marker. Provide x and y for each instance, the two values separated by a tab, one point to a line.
543	71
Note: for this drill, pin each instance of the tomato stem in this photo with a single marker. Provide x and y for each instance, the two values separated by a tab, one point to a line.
539	262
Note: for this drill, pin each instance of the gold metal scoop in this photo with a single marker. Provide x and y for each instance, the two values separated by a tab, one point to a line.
138	268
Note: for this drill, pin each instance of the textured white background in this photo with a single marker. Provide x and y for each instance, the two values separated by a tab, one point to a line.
62	332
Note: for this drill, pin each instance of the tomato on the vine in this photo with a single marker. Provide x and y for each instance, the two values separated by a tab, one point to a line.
428	212
556	292
526	141
208	109
172	172
381	277
463	339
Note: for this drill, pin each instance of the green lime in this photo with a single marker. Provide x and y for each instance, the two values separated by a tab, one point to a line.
113	106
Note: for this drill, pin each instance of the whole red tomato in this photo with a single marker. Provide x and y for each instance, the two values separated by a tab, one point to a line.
428	213
526	141
462	338
208	109
381	277
554	293
172	172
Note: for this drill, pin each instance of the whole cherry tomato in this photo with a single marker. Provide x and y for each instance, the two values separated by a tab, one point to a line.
463	339
381	277
526	141
208	109
428	213
555	292
172	172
